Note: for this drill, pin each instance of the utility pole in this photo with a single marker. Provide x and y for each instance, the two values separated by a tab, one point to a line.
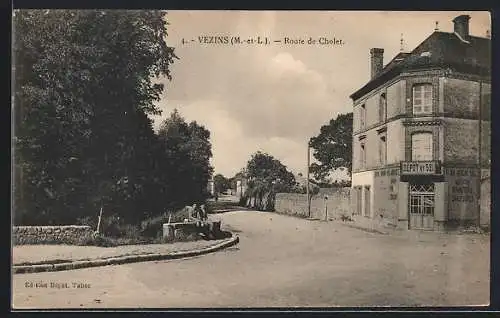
307	179
479	154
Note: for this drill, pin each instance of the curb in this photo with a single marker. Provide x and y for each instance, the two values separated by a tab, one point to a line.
24	269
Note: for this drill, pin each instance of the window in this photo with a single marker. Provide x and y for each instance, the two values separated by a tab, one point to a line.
382	150
362	116
382	108
362	156
421	147
422	99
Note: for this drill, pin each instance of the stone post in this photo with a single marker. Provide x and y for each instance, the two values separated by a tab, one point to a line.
403	205
440	205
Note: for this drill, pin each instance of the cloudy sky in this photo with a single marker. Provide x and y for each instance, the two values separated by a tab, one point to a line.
274	98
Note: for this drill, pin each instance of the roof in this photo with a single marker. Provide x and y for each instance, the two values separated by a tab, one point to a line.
439	50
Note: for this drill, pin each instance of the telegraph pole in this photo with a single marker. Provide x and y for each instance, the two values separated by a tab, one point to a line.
307	179
479	154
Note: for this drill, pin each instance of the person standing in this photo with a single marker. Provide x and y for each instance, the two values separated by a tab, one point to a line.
204	215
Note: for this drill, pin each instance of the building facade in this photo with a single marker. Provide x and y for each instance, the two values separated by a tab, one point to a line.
421	133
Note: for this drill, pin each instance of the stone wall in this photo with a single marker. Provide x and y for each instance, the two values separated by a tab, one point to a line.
66	234
332	202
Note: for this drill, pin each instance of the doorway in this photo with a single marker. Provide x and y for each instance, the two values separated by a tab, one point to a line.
367	201
422	206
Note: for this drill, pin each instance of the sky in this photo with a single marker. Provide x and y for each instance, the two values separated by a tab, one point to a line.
273	98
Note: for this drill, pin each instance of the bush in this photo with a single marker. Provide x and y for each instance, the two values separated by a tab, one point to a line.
243	201
88	220
151	227
96	240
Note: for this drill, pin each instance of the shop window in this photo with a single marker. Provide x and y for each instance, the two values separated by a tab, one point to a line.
421	147
422	99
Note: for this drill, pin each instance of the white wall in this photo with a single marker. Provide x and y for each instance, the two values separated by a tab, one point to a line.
365	178
395	142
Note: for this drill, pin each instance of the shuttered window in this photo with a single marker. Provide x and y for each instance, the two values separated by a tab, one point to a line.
421	147
382	108
362	116
422	99
362	156
382	150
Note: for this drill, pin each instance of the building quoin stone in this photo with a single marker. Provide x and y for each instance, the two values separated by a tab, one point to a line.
421	133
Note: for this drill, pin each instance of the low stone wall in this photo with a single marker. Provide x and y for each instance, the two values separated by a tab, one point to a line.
65	234
181	232
329	203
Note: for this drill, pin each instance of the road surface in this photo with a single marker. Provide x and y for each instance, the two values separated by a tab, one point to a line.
283	262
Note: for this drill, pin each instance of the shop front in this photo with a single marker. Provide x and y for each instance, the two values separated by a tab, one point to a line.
422	200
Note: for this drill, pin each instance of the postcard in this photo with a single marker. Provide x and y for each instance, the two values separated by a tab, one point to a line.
250	159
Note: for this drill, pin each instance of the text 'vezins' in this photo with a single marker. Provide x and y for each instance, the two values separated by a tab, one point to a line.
213	39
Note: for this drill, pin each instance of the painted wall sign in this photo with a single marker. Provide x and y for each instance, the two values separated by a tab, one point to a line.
461	191
386	172
461	172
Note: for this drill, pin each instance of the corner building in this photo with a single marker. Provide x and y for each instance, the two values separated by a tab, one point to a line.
421	133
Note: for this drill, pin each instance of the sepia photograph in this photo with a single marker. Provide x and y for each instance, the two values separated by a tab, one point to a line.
183	159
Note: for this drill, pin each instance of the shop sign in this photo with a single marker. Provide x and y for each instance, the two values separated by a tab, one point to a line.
420	168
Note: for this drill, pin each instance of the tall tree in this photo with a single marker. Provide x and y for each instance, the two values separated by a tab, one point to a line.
221	183
83	85
333	147
187	152
267	176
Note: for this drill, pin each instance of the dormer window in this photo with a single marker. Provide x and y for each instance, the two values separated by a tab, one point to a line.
422	99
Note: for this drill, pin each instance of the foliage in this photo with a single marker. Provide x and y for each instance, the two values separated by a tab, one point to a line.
221	183
267	176
151	227
85	83
335	184
187	151
333	147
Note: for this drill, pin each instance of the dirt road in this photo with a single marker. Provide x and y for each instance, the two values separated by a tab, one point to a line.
280	262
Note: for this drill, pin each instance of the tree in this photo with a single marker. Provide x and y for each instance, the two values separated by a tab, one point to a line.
267	176
186	160
84	85
333	147
221	183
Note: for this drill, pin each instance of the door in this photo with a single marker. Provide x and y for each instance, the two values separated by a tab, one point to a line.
422	206
367	201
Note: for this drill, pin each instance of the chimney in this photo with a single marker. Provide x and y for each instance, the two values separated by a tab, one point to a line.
377	61
461	26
